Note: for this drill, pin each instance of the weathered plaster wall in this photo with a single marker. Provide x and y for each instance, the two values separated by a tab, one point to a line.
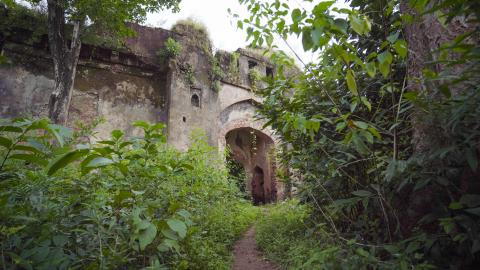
130	83
184	117
24	91
119	98
120	94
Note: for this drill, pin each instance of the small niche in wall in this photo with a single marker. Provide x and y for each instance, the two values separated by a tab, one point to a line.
252	64
195	100
196	97
184	119
269	72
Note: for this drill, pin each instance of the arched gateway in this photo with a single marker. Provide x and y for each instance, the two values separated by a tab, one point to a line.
254	149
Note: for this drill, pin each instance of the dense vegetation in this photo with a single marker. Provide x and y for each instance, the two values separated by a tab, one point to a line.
380	137
116	204
381	133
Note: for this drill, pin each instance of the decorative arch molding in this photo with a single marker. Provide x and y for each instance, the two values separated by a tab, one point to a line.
230	95
246	106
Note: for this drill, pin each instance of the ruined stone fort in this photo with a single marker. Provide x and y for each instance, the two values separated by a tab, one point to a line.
194	90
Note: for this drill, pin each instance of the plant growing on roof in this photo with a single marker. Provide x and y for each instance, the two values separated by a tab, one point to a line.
171	50
216	74
254	77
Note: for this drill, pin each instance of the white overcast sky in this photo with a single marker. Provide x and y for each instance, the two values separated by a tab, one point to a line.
222	28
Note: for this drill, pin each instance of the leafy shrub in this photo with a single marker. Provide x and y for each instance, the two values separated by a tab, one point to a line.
215	74
288	236
237	174
171	50
196	34
387	150
188	74
216	86
254	77
121	203
233	69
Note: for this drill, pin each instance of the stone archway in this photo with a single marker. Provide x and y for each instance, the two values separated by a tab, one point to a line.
254	150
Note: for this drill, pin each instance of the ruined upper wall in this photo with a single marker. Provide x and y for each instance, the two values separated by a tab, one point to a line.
119	84
130	82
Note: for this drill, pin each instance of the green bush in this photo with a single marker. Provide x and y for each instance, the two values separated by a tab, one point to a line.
171	50
288	236
254	77
121	203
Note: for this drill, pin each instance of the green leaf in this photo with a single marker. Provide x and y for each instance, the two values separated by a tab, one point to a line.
59	132
366	103
147	235
38	124
362	252
401	48
359	145
317	34
117	134
141	124
112	143
362	193
307	41
393	37
384	61
296	15
27	148
5	142
168	244
361	124
30	158
65	159
124	144
99	162
321	7
340	126
170	234
384	57
356	24
455	205
178	226
60	240
374	132
361	25
11	129
184	213
351	83
371	69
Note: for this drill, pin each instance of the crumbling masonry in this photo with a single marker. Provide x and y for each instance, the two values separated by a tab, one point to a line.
132	83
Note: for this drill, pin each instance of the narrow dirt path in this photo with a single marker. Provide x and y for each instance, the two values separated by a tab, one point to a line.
247	255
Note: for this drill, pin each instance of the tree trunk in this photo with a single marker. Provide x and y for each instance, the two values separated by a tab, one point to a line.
424	37
65	59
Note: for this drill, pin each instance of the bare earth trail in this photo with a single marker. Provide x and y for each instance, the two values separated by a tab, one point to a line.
247	256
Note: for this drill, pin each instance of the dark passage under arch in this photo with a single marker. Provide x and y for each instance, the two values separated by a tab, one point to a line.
257	184
254	149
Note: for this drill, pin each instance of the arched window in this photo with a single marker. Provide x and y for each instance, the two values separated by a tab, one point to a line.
195	100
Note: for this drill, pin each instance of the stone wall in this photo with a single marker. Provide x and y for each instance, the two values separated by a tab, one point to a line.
120	86
131	83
